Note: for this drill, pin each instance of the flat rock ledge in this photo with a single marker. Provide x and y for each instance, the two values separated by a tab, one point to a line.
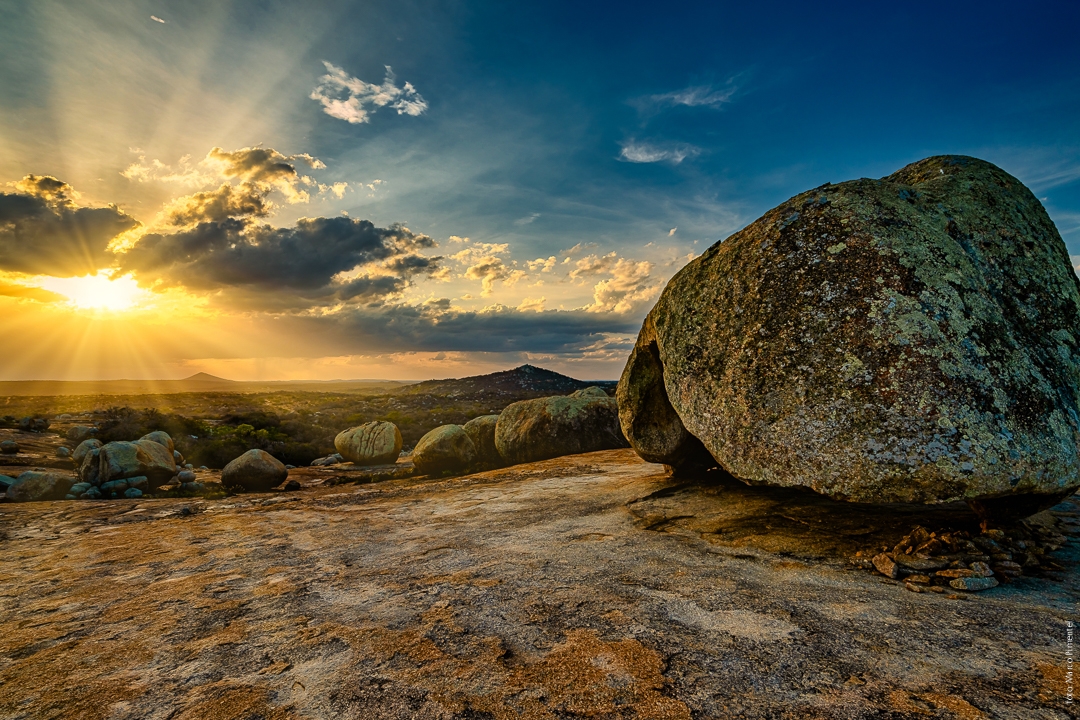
591	586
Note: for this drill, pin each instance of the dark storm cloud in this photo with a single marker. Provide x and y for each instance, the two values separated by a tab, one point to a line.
245	200
43	230
432	327
259	267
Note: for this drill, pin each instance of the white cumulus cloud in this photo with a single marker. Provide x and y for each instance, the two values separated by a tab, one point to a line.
353	100
641	152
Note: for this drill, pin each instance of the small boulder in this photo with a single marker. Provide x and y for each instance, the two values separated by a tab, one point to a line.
177	457
591	391
83	449
445	448
132	493
255	471
80	433
63	452
543	428
291	486
9	447
162	438
38	485
373	443
143	457
481	431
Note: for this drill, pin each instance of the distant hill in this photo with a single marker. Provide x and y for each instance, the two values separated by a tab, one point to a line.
198	383
524	381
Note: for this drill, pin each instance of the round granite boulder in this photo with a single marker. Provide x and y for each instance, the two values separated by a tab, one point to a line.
161	438
149	458
373	443
543	428
481	430
254	471
446	448
914	338
36	485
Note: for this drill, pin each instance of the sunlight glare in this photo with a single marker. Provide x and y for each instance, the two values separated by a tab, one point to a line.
98	292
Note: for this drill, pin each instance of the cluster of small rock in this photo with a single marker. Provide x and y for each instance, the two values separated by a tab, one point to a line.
26	424
120	469
939	561
584	421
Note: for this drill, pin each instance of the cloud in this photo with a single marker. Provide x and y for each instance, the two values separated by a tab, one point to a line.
541	264
438	327
629	287
303	265
532	305
246	199
640	152
28	292
264	169
527	220
487	270
155	18
695	96
354	101
593	265
671	232
43	231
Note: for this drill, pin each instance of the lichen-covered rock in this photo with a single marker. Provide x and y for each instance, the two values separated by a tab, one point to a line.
162	438
550	427
119	460
481	430
446	448
36	485
254	471
373	443
915	338
591	391
84	449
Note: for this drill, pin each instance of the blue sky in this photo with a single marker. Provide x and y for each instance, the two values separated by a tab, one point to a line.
558	130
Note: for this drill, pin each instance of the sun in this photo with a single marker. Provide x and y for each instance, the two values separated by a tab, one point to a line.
98	292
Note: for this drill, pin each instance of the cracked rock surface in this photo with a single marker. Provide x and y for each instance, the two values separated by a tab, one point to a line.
590	586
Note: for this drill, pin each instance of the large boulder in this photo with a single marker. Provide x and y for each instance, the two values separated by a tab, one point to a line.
161	438
544	428
446	448
915	338
38	485
119	460
481	430
254	471
373	443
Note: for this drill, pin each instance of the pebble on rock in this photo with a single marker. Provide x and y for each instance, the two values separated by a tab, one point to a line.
974	584
885	565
